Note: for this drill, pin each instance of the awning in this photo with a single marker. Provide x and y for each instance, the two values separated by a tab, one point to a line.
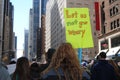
113	51
118	53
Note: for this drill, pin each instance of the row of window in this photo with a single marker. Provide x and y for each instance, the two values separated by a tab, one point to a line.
79	4
111	1
114	11
114	24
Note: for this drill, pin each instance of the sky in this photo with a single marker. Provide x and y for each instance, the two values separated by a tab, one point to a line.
21	19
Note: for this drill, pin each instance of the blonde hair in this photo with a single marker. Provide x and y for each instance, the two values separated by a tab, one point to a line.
66	58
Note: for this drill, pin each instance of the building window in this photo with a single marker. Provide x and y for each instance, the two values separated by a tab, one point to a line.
86	5
94	21
111	26
79	4
111	12
114	11
111	1
118	22
114	24
104	44
71	3
115	41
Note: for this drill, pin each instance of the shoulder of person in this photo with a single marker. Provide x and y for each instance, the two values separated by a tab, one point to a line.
52	74
96	65
86	73
4	75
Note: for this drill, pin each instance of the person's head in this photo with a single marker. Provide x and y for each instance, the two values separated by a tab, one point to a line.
50	53
34	71
22	64
34	67
66	58
102	55
65	53
22	69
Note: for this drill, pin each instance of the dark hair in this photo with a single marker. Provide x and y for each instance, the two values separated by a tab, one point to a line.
22	69
34	71
97	58
102	55
50	52
34	67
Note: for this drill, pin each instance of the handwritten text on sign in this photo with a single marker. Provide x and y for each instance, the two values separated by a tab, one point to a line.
77	25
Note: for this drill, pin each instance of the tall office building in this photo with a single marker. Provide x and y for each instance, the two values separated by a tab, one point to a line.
54	30
43	7
36	6
30	38
55	26
1	25
7	47
11	33
26	43
41	32
15	47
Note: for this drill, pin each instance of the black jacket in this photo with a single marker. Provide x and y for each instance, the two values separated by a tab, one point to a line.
103	71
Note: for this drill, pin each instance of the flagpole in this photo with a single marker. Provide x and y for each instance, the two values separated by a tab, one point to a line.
80	54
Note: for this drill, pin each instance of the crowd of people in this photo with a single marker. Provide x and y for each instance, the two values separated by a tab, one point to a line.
63	64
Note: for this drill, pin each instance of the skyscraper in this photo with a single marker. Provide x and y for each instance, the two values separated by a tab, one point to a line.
1	24
41	32
30	36
7	45
36	16
26	43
